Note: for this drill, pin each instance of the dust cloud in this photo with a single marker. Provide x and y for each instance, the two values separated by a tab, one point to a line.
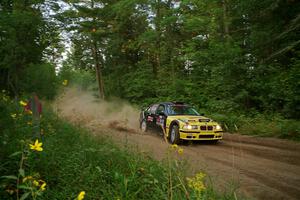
81	107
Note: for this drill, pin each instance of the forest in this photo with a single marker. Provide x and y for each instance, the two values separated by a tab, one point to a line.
230	57
236	61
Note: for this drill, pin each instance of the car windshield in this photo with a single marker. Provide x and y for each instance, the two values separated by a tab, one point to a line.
181	110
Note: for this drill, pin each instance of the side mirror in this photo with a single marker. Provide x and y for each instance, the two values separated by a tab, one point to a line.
202	114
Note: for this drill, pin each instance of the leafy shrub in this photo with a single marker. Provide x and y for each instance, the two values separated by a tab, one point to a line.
41	79
79	77
262	125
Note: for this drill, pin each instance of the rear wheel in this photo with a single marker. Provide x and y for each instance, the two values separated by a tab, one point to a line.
144	126
174	135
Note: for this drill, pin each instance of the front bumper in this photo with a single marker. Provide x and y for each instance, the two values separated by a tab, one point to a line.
197	135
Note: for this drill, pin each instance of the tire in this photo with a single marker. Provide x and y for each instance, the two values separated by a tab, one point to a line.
174	135
144	126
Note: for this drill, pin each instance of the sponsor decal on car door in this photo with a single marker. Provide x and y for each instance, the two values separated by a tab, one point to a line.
150	119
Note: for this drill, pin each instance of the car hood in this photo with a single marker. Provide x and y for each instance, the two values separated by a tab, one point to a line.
191	118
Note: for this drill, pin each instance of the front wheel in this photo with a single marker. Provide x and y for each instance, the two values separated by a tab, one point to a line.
174	135
144	126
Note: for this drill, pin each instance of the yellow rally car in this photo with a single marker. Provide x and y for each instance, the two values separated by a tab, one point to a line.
180	121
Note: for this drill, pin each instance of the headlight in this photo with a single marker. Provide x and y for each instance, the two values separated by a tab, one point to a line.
190	127
218	127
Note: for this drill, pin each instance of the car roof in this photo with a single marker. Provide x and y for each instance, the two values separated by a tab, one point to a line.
174	103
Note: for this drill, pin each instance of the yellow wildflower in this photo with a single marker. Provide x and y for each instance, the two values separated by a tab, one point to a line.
65	82
27	178
180	151
22	103
29	112
43	186
35	183
36	146
196	183
200	175
14	116
81	195
174	146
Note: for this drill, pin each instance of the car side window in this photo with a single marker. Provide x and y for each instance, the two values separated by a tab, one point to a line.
153	108
160	109
170	110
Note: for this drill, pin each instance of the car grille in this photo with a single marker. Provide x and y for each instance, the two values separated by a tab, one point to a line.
206	128
206	136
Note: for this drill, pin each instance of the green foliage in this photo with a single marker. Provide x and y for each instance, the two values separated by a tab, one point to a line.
24	36
260	125
80	78
15	139
140	85
40	79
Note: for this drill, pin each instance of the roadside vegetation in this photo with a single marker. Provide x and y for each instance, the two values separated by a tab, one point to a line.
66	162
264	125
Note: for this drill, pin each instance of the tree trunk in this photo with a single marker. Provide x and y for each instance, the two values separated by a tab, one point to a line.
157	66
97	63
98	71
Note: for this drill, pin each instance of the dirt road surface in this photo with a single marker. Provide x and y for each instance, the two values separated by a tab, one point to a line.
259	168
